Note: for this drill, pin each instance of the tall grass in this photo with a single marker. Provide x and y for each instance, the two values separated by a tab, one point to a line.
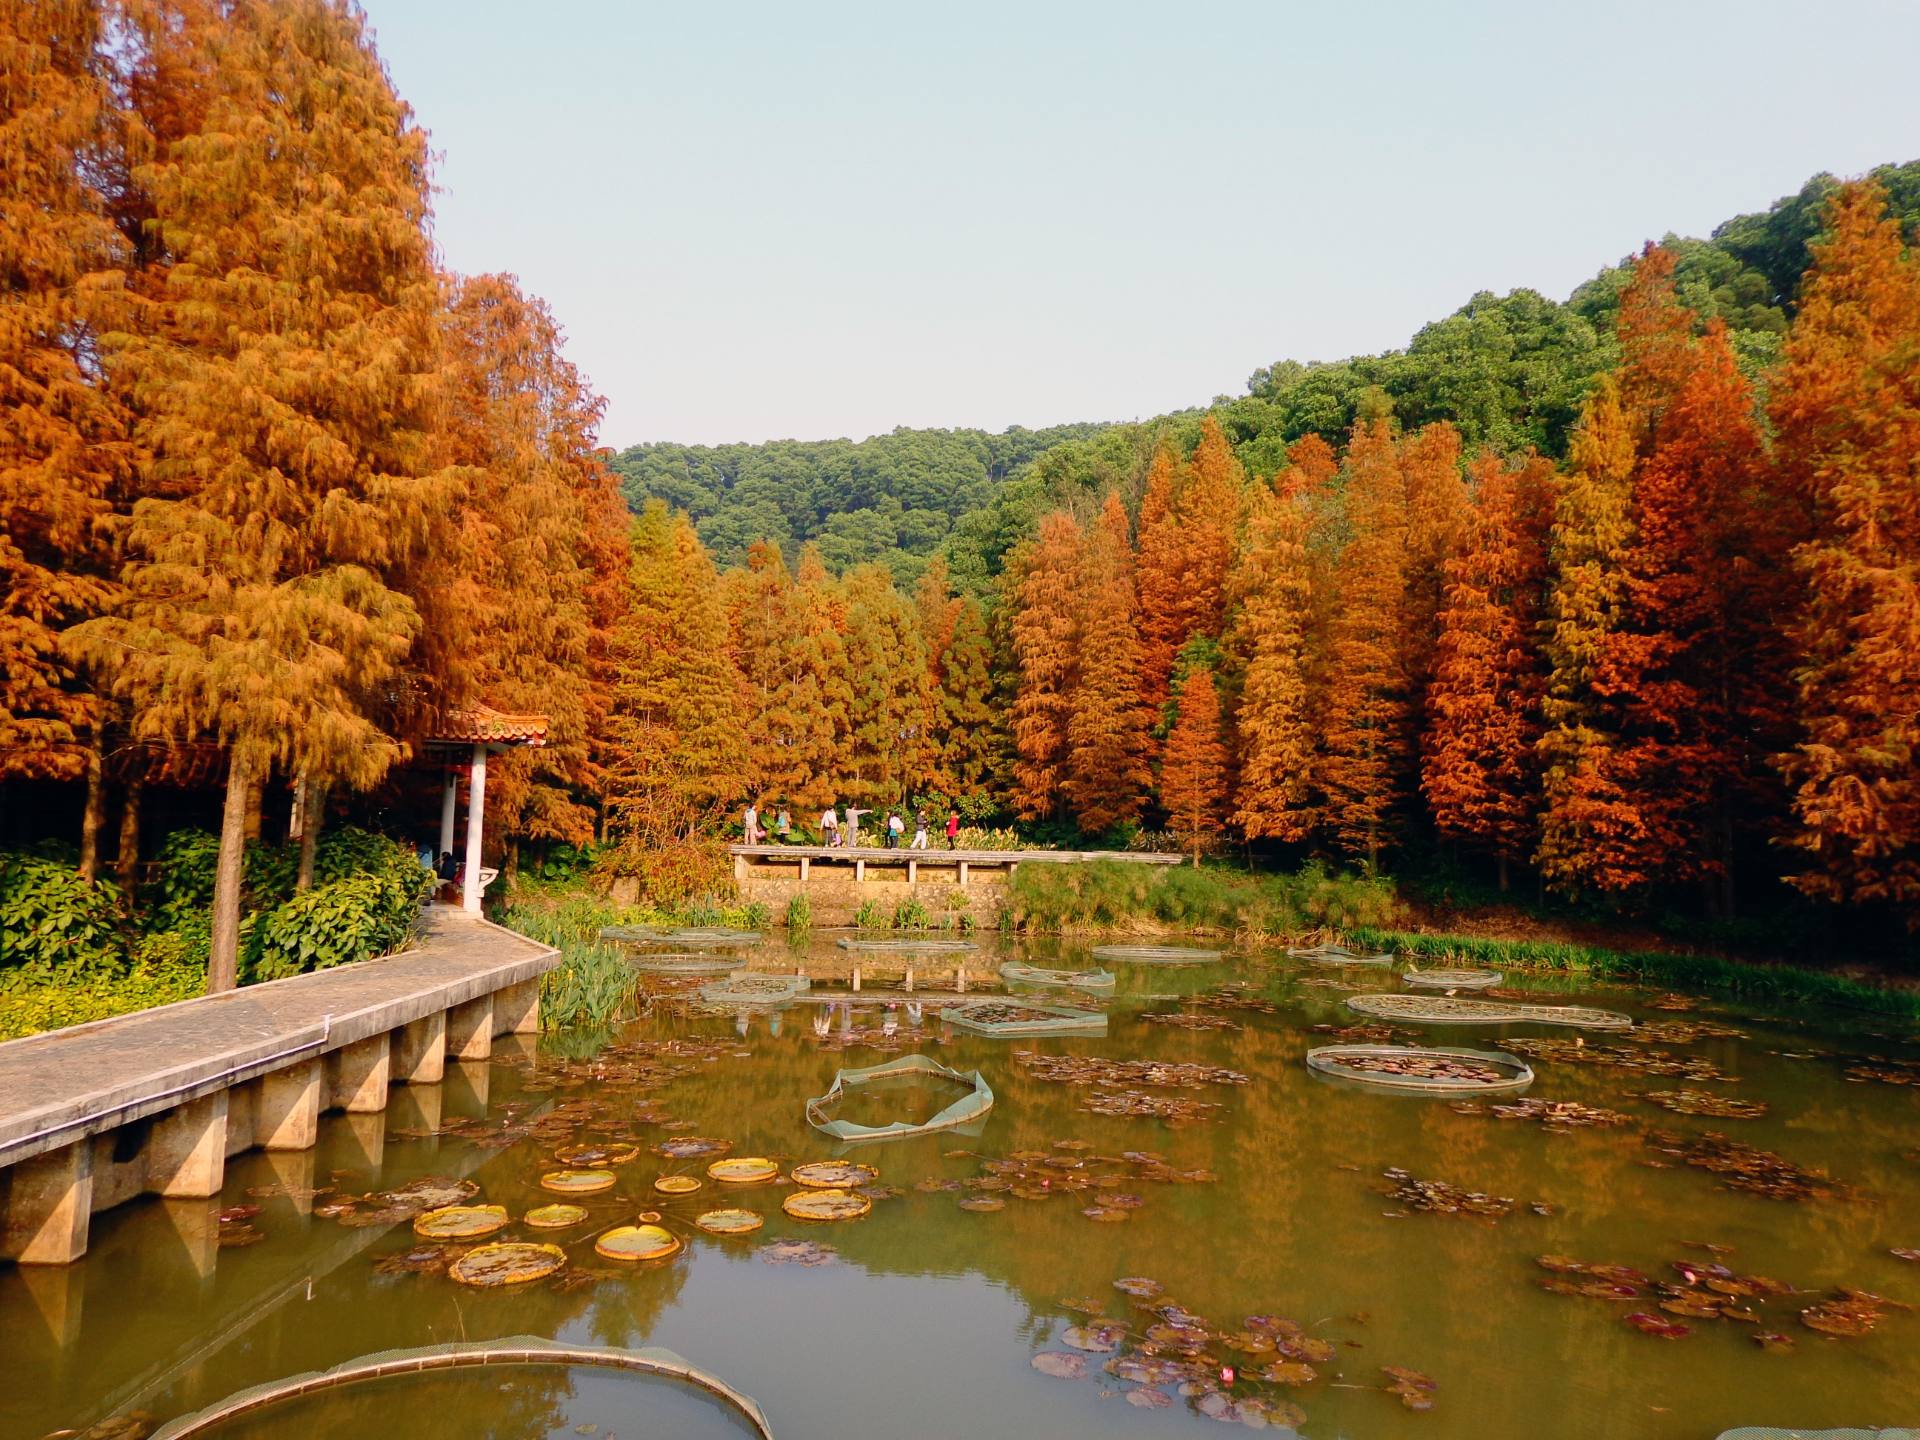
1115	895
1779	984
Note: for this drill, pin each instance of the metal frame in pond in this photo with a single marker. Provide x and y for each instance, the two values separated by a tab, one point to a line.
1156	954
1456	1010
971	1106
465	1355
1050	1019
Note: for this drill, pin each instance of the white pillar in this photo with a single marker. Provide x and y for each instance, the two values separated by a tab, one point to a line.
448	802
476	820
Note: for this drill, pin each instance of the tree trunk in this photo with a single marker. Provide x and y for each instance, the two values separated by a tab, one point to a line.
223	962
313	807
1505	878
255	799
128	861
94	819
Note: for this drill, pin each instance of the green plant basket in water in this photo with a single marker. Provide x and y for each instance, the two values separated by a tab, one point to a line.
1015	973
910	947
1008	1018
971	1106
1463	1010
1156	954
744	988
1413	1070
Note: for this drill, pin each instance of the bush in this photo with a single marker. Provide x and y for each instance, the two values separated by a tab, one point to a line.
1116	895
592	985
870	916
799	913
355	918
53	921
77	998
910	914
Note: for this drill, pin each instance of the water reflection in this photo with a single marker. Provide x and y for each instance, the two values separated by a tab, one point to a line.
926	1321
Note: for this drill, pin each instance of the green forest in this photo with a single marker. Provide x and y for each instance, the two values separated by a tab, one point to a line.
1508	371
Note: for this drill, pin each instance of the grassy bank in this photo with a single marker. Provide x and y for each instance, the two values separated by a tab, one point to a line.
1776	984
594	984
1114	895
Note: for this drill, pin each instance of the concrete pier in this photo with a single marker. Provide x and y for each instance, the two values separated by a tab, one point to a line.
156	1102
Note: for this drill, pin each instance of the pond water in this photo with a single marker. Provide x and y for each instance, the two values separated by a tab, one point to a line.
1256	1200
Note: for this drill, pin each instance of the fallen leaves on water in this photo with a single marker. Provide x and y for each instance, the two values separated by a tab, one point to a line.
799	1252
689	1147
1898	1254
1882	1070
1427	1065
1439	1197
1622	1057
1414	1389
1138	1286
983	1204
1101	1339
1061	1364
1747	1168
1699	1102
1192	1020
1555	1115
1173	1110
1849	1313
1653	1325
1683	1032
1149	1399
1064	1069
1773	1342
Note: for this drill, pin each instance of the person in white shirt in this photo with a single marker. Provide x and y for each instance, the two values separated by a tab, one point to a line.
829	827
920	831
752	826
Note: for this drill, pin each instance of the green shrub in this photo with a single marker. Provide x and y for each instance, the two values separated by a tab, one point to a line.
799	913
354	918
52	921
593	985
1116	895
910	914
870	916
76	999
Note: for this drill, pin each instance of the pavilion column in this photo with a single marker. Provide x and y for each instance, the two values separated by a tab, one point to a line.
476	822
449	801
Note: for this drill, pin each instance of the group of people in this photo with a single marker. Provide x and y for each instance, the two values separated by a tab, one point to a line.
845	835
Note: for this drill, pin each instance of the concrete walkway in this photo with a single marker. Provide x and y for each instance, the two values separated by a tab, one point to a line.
66	1085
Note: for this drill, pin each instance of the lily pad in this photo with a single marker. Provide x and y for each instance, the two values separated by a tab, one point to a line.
826	1205
461	1222
833	1175
636	1242
743	1170
1061	1364
578	1182
513	1262
554	1217
729	1222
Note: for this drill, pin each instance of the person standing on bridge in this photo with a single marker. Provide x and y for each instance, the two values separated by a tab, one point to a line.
953	829
751	829
829	828
783	826
850	836
896	827
919	830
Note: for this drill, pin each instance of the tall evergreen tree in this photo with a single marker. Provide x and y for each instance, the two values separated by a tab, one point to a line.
1846	411
1269	592
287	392
1481	766
1107	772
1586	820
970	725
1159	578
1193	776
64	452
1366	740
1207	507
1046	648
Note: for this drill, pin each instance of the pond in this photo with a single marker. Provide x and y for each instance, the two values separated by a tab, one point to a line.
1299	1249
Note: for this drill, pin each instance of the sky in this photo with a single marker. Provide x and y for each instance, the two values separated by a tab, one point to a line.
762	221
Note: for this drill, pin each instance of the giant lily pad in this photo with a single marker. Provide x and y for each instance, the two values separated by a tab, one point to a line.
461	1222
578	1182
826	1205
513	1262
636	1242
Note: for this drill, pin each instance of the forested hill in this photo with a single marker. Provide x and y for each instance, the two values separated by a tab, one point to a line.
1508	371
891	498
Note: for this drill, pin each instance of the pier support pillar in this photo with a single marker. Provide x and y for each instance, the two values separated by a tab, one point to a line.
48	1201
470	1030
516	1009
739	867
420	1051
287	1114
859	870
358	1074
806	867
913	872
963	872
187	1149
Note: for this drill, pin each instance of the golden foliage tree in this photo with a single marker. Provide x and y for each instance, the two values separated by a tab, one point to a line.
681	756
1586	817
1366	742
287	385
1107	773
1193	774
1480	762
970	725
1847	414
64	452
1269	591
1046	650
1159	576
893	711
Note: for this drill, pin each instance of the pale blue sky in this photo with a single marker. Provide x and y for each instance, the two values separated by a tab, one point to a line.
808	220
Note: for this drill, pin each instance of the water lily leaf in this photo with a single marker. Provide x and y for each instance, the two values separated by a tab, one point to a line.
1061	1364
1101	1339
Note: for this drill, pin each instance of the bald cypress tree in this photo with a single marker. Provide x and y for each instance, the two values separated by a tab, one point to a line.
1268	589
1107	769
288	390
1046	648
64	451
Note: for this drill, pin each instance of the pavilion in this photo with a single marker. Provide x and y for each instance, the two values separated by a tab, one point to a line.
466	739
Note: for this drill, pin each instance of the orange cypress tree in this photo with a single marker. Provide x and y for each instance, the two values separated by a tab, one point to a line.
894	745
1436	511
1311	466
781	726
1269	591
826	680
1206	509
1586	818
970	726
1656	342
1480	770
1846	412
1107	773
63	450
678	745
1159	578
1193	776
1046	642
1366	742
288	391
